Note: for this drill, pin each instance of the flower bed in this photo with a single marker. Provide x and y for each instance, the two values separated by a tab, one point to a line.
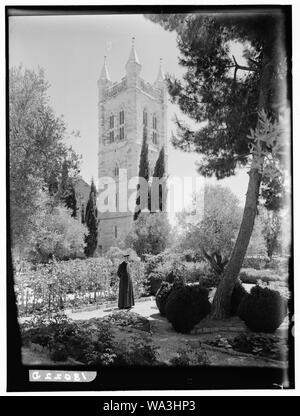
93	341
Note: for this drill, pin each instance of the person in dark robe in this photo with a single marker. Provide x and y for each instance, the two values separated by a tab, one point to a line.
126	298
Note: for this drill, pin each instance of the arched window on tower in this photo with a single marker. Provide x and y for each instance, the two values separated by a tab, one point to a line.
121	125
154	130
111	128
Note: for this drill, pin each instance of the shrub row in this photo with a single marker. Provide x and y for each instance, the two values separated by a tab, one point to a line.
72	283
256	262
263	310
252	276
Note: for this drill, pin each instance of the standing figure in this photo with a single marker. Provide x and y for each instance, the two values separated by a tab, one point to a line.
126	299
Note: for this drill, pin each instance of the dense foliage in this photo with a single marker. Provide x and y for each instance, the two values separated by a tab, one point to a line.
186	307
56	234
37	149
214	225
170	266
211	230
150	234
272	230
263	310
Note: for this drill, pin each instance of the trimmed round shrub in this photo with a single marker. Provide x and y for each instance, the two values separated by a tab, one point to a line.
263	310
163	294
154	284
237	296
186	306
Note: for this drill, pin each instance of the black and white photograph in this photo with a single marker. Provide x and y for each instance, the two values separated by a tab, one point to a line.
149	192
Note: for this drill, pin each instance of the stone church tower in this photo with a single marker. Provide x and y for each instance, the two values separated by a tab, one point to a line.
124	109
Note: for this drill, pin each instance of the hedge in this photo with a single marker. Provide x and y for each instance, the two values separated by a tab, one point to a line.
252	276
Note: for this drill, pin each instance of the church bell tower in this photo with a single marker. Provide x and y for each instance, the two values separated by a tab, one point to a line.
125	109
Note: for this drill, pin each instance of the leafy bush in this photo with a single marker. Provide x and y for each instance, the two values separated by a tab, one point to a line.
280	264
165	271
186	306
127	319
139	351
190	255
88	342
198	272
269	346
150	234
237	296
252	276
58	234
263	310
116	255
188	356
255	262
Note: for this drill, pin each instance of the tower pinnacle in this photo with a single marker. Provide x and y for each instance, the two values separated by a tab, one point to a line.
133	65
160	76
104	76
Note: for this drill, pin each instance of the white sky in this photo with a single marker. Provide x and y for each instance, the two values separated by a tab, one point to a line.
71	51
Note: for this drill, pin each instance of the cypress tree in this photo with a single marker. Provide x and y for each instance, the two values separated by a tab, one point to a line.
143	172
70	199
91	220
66	192
159	172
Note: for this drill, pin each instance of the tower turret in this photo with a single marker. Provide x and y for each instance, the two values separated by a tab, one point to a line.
133	66
160	82
160	79
104	80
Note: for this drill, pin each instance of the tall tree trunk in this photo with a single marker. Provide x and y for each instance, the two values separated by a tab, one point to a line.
222	298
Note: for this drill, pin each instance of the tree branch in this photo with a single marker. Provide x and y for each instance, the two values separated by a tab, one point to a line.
244	68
